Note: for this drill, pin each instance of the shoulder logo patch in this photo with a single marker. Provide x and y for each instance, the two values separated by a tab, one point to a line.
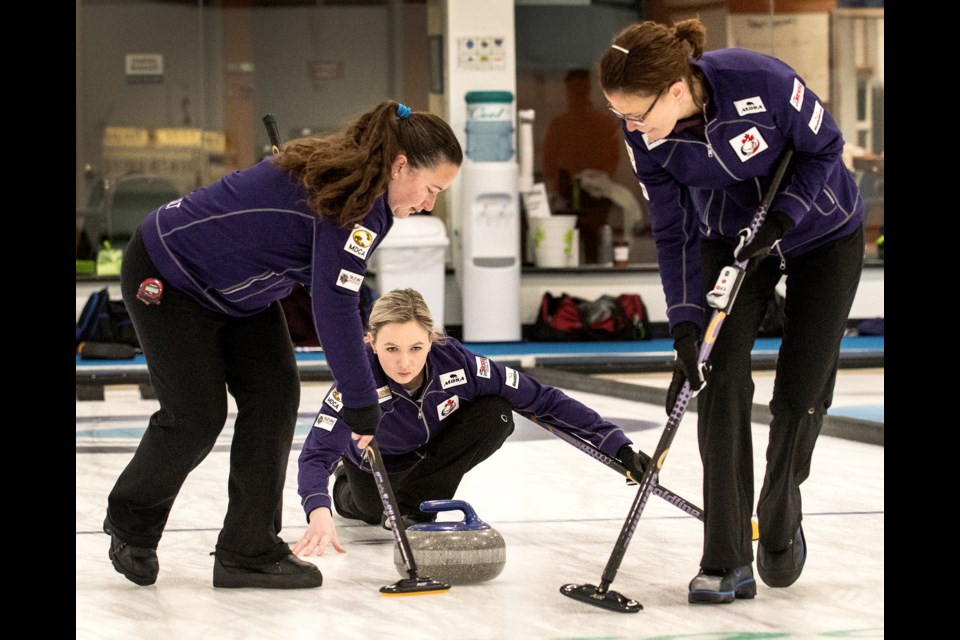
749	105
513	378
359	242
796	98
349	280
748	144
448	406
483	367
453	379
817	118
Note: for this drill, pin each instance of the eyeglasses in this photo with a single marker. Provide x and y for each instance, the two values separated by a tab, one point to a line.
641	120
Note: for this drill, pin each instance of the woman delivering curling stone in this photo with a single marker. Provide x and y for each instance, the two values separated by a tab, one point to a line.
445	410
705	133
202	279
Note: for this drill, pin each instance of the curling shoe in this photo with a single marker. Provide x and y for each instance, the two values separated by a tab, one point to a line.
138	564
722	588
782	568
287	573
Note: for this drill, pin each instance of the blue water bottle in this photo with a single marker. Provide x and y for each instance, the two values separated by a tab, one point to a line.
489	126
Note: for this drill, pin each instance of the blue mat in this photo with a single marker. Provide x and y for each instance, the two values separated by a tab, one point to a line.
584	351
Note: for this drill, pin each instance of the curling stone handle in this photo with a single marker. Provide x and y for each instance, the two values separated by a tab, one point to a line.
436	506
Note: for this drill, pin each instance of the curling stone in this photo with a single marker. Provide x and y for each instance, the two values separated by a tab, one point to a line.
464	552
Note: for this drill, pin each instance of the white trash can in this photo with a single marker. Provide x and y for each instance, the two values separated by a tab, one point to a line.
413	256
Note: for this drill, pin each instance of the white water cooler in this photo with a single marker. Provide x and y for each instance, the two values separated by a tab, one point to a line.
491	252
490	222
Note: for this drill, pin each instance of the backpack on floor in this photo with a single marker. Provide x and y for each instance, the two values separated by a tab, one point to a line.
105	321
568	318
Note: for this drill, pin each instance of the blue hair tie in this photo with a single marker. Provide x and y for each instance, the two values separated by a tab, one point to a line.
403	111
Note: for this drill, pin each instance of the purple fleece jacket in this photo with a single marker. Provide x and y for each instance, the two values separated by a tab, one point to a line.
245	241
756	106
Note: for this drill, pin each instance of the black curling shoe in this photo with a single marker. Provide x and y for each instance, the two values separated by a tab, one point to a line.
138	564
287	573
782	568
721	588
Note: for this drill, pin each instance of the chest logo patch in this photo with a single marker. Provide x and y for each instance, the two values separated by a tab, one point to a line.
383	394
748	144
453	379
448	406
749	105
653	144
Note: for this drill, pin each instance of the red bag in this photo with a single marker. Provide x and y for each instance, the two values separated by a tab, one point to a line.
568	318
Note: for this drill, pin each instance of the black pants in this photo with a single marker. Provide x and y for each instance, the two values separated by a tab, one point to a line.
821	286
194	357
476	431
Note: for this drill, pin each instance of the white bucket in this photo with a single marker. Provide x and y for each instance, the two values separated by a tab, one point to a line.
554	241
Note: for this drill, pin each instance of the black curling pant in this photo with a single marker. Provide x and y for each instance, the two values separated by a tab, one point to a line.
820	288
194	357
475	432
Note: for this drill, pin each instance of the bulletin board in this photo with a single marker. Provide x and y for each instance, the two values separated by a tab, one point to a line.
802	40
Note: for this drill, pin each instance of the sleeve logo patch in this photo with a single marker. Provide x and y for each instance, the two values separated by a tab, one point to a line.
325	422
513	378
334	401
817	118
796	98
349	280
483	367
359	242
453	379
748	144
448	406
749	105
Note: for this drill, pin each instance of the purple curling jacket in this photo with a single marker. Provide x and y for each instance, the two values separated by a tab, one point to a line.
756	106
243	242
454	376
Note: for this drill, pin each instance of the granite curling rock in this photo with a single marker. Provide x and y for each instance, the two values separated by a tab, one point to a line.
465	552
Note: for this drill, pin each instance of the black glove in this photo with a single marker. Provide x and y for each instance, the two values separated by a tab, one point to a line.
686	338
363	421
769	233
635	462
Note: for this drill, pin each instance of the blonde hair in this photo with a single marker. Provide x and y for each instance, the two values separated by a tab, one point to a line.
402	306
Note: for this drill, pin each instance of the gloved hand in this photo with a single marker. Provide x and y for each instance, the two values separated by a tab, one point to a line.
769	233
635	461
686	338
363	421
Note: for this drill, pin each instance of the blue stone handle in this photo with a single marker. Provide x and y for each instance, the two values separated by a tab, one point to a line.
470	519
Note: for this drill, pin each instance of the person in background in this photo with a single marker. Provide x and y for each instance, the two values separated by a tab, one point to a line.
705	132
202	279
445	410
583	137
